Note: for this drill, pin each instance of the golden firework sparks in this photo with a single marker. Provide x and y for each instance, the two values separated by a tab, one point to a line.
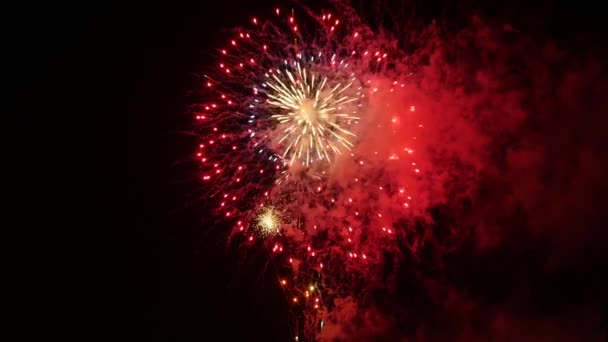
313	113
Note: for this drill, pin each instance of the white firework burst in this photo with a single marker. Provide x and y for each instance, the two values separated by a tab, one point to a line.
314	109
268	222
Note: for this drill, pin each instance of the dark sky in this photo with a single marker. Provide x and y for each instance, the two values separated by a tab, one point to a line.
129	261
128	258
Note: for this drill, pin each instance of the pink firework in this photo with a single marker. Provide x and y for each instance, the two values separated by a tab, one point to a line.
308	142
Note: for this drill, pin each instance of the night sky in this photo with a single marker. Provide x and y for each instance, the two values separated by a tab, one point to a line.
131	252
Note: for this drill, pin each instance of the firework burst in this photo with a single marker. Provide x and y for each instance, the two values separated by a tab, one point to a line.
314	112
268	222
307	145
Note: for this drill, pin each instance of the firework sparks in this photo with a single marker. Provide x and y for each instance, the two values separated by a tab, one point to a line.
268	222
280	119
314	113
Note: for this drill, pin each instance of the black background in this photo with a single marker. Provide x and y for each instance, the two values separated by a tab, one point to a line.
127	257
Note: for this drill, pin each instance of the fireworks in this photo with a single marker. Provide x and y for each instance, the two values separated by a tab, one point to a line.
268	222
356	162
307	144
315	113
